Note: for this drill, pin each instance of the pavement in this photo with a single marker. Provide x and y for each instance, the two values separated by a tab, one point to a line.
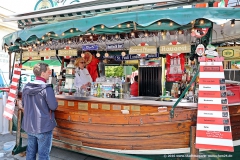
56	153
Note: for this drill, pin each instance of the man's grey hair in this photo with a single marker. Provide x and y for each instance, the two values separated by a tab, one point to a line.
39	68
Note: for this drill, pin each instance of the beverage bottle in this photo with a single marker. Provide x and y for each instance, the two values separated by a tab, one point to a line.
99	90
92	89
113	92
117	90
179	89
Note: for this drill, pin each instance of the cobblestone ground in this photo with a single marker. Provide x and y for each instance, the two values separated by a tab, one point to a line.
56	153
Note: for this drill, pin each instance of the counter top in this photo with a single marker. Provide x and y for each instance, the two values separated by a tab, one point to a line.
128	101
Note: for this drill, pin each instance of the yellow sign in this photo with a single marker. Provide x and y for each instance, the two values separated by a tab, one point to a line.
143	49
65	52
179	48
30	54
48	53
229	53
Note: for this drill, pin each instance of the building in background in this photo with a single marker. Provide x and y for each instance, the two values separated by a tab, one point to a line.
5	28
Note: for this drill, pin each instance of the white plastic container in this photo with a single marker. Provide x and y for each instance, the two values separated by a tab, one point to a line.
8	146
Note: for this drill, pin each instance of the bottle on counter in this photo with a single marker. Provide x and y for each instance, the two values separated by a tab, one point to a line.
117	90
92	89
113	92
99	90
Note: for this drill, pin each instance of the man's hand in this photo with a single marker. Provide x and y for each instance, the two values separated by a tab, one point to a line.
19	104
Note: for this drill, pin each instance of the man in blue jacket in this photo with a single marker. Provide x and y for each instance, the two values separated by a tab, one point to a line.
39	103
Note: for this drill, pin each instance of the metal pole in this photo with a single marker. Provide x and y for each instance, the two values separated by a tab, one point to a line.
193	151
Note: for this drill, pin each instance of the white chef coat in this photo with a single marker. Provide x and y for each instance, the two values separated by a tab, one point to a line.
82	77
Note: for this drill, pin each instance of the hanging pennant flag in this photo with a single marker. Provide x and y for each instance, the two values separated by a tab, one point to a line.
213	122
10	105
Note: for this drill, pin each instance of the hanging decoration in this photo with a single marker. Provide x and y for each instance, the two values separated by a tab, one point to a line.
175	65
199	32
200	50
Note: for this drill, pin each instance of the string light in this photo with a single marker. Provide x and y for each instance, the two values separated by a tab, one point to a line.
49	34
146	34
71	30
93	28
102	26
180	32
159	23
76	29
193	29
91	37
171	24
201	21
43	37
116	36
162	33
192	22
132	34
119	26
233	23
69	41
103	37
80	38
106	54
98	54
128	25
63	34
123	54
56	35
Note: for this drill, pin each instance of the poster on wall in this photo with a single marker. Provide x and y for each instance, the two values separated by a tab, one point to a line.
175	67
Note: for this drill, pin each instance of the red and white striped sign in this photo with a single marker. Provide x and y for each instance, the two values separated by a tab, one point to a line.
213	121
10	105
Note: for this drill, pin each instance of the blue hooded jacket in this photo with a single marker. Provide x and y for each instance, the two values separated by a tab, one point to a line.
39	103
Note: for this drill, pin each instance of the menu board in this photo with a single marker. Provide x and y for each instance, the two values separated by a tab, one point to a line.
213	121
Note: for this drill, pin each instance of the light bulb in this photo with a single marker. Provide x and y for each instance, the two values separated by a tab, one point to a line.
159	23
201	21
116	36
119	26
102	26
71	30
63	34
91	37
171	24
123	54
128	25
180	32
93	28
106	54
98	54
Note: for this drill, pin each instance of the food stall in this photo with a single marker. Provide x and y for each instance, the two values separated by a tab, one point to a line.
93	123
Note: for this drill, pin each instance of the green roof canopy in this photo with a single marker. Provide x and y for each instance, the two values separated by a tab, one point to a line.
140	21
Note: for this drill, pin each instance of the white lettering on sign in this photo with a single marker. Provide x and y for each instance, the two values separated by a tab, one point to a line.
143	49
179	48
70	52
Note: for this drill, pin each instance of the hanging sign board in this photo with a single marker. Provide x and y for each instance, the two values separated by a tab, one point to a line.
134	57
143	49
69	52
178	48
90	47
115	46
30	54
229	53
213	122
47	53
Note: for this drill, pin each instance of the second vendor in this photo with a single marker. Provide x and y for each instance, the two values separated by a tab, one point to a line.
82	77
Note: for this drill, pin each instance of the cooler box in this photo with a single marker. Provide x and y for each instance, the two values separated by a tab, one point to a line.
233	93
